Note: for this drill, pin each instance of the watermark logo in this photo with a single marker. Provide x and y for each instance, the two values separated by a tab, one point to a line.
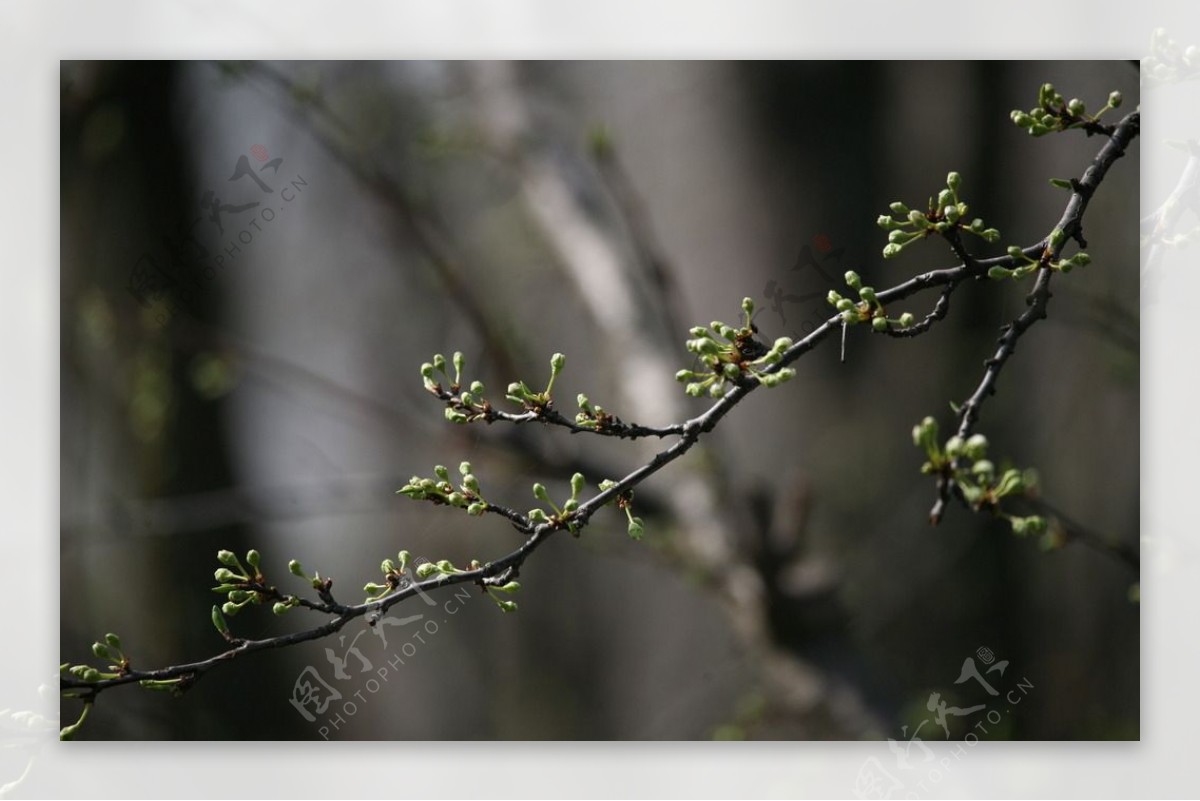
352	679
819	268
919	770
169	279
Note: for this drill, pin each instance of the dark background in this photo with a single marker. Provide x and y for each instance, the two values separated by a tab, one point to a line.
273	400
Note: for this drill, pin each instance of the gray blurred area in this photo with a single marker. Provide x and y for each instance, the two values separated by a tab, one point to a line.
266	394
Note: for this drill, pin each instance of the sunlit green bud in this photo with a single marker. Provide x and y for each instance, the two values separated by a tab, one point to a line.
951	213
439	363
91	674
1045	93
428	485
1076	107
917	216
748	305
845	305
1021	119
280	608
477	509
991	236
466	399
441	472
427	371
785	374
224	574
945	198
1037	129
976	447
892	250
1057	237
455	417
879	324
370	588
906	320
1009	483
518	388
570	506
636	528
101	651
695	390
731	371
852	279
471	483
885	222
456	499
925	433
850	317
228	558
557	362
954	447
706	347
445	566
296	569
426	569
782	344
577	482
898	208
459	361
769	380
538	516
899	237
716	389
1114	99
1014	252
507	606
230	608
539	492
867	293
833	298
977	226
218	621
1081	259
1049	121
953	181
387	567
510	587
983	468
239	596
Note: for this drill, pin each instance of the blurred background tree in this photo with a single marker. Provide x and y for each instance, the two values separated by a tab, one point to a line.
233	379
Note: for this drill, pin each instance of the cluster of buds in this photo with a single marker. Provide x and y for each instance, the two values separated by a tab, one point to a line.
439	490
731	355
945	213
965	462
462	406
868	307
624	502
593	416
1024	265
519	392
1052	113
558	515
242	586
444	567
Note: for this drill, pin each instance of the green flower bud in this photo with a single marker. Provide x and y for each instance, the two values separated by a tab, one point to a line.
427	371
1061	183
218	621
445	566
636	528
991	236
1021	119
898	208
387	567
239	596
510	587
976	447
577	482
945	198
455	417
557	362
1081	259
1076	107
868	294
953	181
769	380
426	569
785	374
845	305
466	399
891	251
748	305
101	651
371	588
731	371
1037	129
951	213
570	506
1011	482
456	499
850	317
507	606
716	389
879	324
782	344
439	363
477	388
228	558
977	226
1015	252
253	558
695	390
224	574
906	320
538	516
1114	100
230	608
885	222
833	298
477	509
539	492
954	447
296	569
1057	237
983	467
925	433
280	608
459	361
852	279
112	640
